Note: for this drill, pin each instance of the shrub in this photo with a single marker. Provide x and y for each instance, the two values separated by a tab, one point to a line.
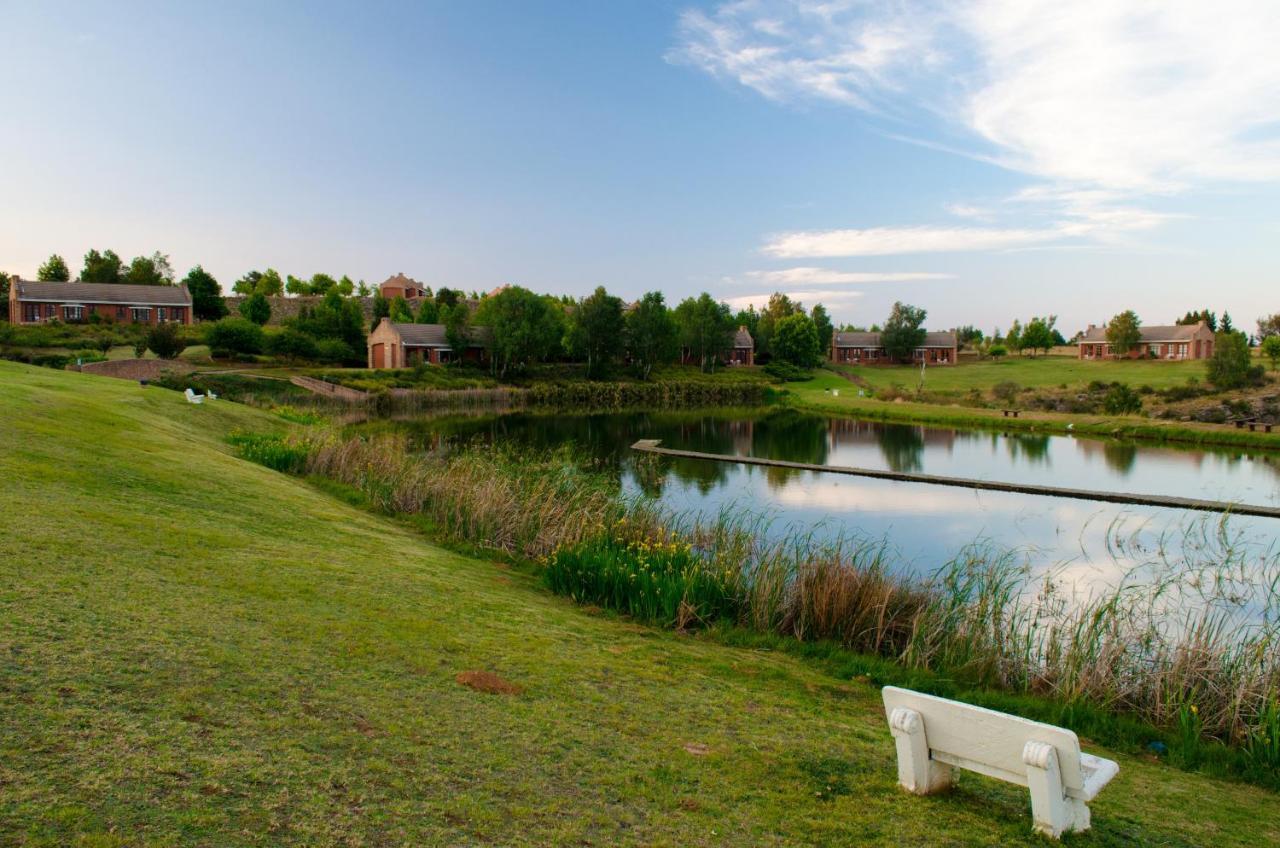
1006	391
233	335
256	308
273	451
291	344
334	351
997	351
1229	367
1121	400
165	341
83	356
786	372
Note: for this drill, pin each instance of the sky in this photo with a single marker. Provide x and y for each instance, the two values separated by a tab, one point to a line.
986	160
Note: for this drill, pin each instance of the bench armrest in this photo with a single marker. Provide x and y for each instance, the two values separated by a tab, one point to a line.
1097	773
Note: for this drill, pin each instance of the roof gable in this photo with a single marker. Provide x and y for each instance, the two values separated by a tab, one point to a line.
120	293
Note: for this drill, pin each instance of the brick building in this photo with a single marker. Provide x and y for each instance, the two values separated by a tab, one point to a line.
857	348
32	302
1179	341
393	345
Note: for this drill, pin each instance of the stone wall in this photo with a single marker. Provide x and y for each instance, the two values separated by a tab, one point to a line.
289	307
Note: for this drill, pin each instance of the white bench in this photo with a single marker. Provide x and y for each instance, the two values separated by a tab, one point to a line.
935	735
192	397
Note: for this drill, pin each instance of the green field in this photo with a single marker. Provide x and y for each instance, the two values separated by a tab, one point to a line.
1040	372
199	651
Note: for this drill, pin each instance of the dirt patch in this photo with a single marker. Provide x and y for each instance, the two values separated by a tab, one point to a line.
697	749
489	683
137	369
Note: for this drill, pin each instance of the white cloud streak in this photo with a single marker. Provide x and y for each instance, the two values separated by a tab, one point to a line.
810	276
888	241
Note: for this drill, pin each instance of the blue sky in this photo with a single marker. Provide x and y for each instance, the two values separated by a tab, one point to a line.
986	160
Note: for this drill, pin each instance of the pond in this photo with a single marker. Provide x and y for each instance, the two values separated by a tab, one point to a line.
923	525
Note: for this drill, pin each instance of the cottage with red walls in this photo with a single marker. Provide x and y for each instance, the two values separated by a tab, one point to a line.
855	348
393	345
32	302
1179	341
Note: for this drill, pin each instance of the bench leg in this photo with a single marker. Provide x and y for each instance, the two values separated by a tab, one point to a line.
917	773
1052	812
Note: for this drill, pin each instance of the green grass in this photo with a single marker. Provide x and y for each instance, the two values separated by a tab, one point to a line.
1040	372
198	650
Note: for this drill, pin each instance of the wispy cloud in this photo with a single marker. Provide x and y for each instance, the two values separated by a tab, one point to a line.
1138	98
811	276
808	297
888	241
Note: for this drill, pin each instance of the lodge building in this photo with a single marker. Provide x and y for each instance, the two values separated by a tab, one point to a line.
1179	341
858	348
394	345
32	302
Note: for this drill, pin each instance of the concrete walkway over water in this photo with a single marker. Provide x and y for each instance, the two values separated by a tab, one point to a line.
651	446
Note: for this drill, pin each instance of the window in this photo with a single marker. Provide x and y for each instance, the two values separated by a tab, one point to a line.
73	313
30	312
162	315
140	314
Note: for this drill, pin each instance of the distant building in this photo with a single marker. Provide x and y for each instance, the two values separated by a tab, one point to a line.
743	351
1179	341
32	302
393	345
402	286
856	348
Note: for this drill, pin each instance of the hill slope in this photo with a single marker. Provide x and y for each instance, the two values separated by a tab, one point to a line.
196	650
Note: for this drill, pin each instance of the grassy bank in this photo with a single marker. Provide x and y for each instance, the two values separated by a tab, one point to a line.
240	658
817	395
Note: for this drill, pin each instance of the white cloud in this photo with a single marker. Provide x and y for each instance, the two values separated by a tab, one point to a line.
1137	98
808	297
887	241
810	276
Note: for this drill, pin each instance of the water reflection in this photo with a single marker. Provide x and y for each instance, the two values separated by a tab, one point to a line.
926	524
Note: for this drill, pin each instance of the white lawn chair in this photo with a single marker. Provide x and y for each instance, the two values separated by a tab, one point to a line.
192	397
934	735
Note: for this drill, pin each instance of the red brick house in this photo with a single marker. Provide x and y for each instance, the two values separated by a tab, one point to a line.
856	348
1180	341
393	345
402	286
32	302
741	350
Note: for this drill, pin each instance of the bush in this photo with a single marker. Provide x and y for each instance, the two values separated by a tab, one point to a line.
256	308
291	344
786	372
83	356
1121	400
233	335
334	352
1006	391
165	341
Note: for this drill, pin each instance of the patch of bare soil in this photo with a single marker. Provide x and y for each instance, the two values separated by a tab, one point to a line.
488	682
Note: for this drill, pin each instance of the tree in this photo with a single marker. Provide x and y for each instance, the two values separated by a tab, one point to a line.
362	289
1268	326
270	283
153	270
457	328
748	318
248	284
400	311
996	351
291	344
826	330
706	328
296	286
206	295
595	331
969	335
335	317
651	333
256	308
346	287
525	328
381	309
101	267
233	335
448	297
428	312
902	332
1013	338
1271	350
1229	365
779	307
795	340
1038	334
1124	333
1226	325
165	341
1204	315
4	285
54	270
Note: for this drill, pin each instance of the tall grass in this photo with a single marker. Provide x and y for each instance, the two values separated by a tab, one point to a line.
1189	646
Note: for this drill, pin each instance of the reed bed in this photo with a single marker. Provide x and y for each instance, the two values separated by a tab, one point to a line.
1187	643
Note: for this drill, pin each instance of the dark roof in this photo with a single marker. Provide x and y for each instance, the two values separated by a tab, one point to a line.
400	281
433	335
103	293
742	338
1152	334
934	339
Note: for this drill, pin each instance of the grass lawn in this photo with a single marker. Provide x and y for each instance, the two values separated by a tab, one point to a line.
1041	372
196	650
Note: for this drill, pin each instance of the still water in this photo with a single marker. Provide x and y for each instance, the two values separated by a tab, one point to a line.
924	525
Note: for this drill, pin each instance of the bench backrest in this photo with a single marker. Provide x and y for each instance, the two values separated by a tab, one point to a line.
986	741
